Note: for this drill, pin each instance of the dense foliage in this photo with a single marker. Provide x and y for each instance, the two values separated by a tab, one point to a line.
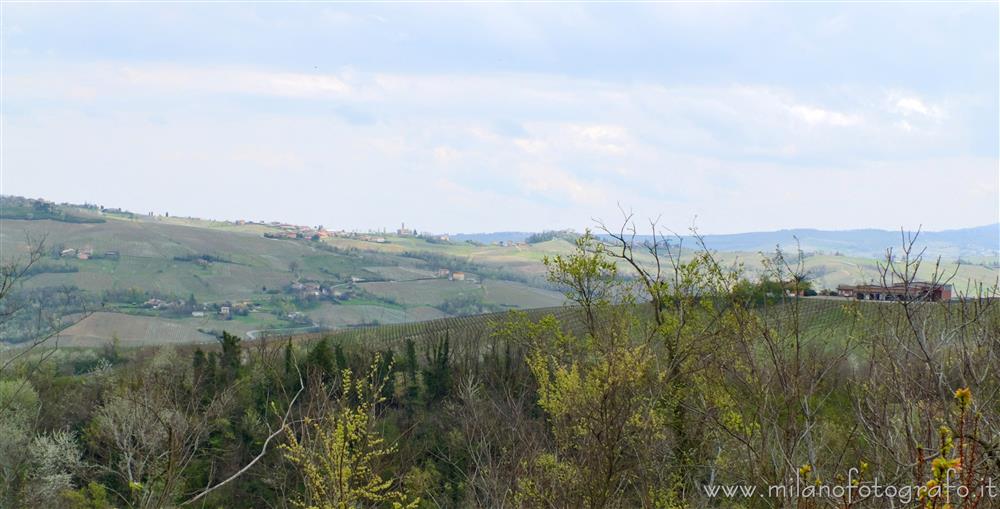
667	377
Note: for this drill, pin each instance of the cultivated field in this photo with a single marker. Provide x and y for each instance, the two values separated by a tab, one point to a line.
132	330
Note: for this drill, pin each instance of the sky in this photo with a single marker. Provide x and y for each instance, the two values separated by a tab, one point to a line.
509	117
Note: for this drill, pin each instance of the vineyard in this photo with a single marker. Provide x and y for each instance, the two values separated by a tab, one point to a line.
461	330
830	321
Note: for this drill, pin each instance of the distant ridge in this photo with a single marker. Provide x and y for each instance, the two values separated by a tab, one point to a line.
963	242
976	241
979	241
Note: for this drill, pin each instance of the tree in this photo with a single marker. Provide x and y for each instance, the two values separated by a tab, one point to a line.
411	382
321	359
437	375
20	401
152	428
230	359
588	277
600	394
55	461
14	271
340	454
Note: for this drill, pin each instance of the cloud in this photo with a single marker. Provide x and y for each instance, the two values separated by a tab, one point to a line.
446	155
610	139
817	116
909	105
519	150
555	182
283	84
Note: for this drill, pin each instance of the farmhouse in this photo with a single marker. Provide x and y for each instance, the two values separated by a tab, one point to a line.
457	276
898	291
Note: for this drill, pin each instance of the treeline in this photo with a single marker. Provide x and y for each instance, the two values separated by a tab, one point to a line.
203	258
33	312
434	261
14	207
51	268
468	304
662	385
567	235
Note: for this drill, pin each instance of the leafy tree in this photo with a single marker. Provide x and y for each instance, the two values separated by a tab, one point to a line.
340	454
92	496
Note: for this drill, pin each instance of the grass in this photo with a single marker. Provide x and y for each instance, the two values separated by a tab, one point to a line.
147	249
519	295
421	293
132	330
334	315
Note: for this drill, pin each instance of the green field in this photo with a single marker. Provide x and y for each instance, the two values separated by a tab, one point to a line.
826	270
132	330
157	255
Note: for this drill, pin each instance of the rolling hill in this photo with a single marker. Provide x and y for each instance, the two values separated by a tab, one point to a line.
183	279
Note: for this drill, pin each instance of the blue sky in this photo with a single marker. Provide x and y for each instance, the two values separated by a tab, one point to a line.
485	117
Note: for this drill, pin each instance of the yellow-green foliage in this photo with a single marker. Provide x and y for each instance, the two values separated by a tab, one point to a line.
339	455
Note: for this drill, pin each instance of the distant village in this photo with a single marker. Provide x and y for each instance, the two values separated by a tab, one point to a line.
291	231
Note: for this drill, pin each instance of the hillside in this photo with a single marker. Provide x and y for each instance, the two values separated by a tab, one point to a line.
977	242
982	241
158	279
169	279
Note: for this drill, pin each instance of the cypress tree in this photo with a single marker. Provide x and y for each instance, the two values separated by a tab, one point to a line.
437	376
211	373
198	366
321	359
289	361
229	362
338	353
412	391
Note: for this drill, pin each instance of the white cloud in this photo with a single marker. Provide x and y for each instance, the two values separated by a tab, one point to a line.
610	139
721	152
177	79
910	105
445	155
531	146
819	116
552	181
